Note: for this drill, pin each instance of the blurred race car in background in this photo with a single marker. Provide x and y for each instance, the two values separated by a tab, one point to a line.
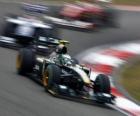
28	30
86	15
62	75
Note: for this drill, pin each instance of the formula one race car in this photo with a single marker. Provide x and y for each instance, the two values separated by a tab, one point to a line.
61	74
27	29
86	15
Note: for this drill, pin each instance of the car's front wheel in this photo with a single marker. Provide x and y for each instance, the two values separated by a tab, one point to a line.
102	84
51	76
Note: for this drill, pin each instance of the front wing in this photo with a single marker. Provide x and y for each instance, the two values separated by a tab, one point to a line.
65	92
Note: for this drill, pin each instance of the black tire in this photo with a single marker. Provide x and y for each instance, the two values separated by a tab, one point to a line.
53	74
102	84
9	29
25	61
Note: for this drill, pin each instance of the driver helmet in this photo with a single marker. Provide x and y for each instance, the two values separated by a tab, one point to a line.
61	49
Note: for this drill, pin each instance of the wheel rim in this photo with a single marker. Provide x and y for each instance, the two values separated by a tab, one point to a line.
45	79
18	62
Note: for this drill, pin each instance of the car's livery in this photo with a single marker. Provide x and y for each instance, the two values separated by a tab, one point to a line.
62	75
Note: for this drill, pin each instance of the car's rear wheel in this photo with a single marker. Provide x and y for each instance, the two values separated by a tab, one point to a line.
102	84
25	61
9	29
51	76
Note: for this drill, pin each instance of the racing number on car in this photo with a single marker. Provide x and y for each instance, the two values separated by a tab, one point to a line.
24	30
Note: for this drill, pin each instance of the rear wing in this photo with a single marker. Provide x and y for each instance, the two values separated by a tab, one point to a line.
34	8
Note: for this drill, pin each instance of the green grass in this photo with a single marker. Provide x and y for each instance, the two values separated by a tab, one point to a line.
127	2
130	79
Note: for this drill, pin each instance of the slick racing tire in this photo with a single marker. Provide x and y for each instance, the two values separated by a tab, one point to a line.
51	76
25	61
9	29
102	84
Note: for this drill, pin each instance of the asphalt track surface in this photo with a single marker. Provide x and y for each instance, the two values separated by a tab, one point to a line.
20	96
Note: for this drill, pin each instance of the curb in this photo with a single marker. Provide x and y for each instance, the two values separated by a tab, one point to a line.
116	74
127	8
107	60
